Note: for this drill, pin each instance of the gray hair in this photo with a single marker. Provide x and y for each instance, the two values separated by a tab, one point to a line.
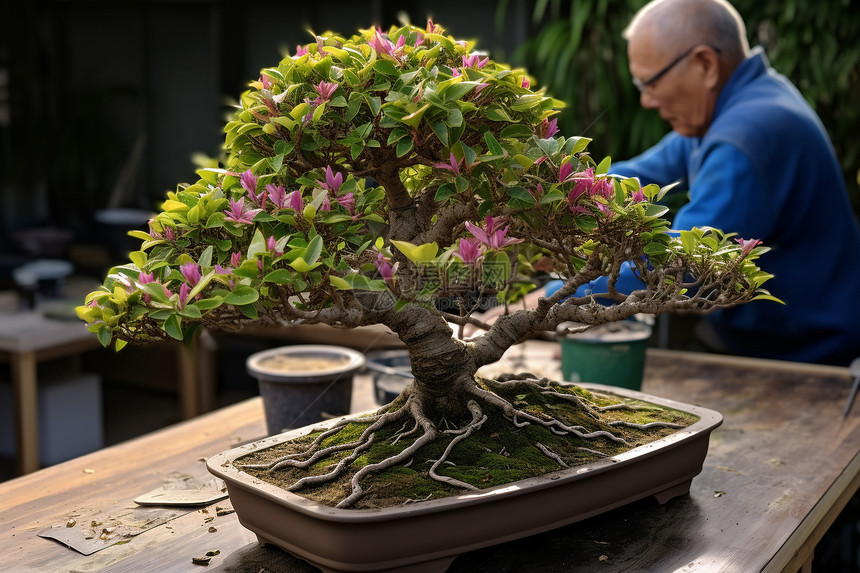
712	22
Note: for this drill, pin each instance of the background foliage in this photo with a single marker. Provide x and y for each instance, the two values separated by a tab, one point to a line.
577	52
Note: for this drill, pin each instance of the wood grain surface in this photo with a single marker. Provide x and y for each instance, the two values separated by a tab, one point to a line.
778	471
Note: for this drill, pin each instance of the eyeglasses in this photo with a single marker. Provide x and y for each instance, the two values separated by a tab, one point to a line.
641	85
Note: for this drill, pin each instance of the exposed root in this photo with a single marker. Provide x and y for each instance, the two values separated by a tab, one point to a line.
555	426
409	419
551	455
590	451
478	419
316	454
430	433
341	466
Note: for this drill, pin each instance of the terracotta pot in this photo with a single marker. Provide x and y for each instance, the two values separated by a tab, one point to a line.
304	383
428	536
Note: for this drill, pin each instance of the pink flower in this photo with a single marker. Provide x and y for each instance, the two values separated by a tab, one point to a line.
493	236
584	184
564	172
184	289
265	81
347	201
747	245
191	272
144	278
469	250
235	259
301	51
295	201
453	165
277	195
333	180
548	128
474	61
168	233
386	271
526	84
326	204
384	47
604	188
236	212
606	210
638	197
433	28
455	73
227	272
272	245
325	89
480	87
249	184
537	193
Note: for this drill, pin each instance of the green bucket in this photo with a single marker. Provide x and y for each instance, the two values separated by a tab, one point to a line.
612	354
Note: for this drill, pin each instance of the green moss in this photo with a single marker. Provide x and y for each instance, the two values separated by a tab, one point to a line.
497	454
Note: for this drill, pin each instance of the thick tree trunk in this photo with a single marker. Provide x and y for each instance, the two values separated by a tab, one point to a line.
441	364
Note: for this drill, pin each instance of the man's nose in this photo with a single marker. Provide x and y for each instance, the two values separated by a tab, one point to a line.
647	100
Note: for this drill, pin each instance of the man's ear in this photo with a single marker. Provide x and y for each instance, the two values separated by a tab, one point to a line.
708	62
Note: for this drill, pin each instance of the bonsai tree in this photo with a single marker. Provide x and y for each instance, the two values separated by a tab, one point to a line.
368	178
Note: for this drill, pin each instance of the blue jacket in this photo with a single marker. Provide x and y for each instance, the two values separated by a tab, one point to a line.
766	169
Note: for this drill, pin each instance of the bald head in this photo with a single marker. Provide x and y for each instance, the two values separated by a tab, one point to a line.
671	24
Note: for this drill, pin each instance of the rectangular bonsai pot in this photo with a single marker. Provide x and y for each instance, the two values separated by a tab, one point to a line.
427	536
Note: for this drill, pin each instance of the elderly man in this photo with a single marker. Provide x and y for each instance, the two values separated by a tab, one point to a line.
756	161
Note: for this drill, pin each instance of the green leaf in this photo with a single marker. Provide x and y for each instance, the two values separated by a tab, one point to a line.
417	253
455	117
355	281
313	250
209	303
104	335
493	144
205	259
173	327
496	113
239	296
414	118
190	311
202	283
441	131
249	310
258	245
303	266
138	258
653	249
279	276
374	103
385	67
586	223
523	196
156	291
516	131
457	90
603	167
689	241
768	297
404	146
444	191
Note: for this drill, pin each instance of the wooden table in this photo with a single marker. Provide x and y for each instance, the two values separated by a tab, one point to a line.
778	472
27	338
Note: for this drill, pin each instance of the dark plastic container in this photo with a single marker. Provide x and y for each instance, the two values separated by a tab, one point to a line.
305	383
